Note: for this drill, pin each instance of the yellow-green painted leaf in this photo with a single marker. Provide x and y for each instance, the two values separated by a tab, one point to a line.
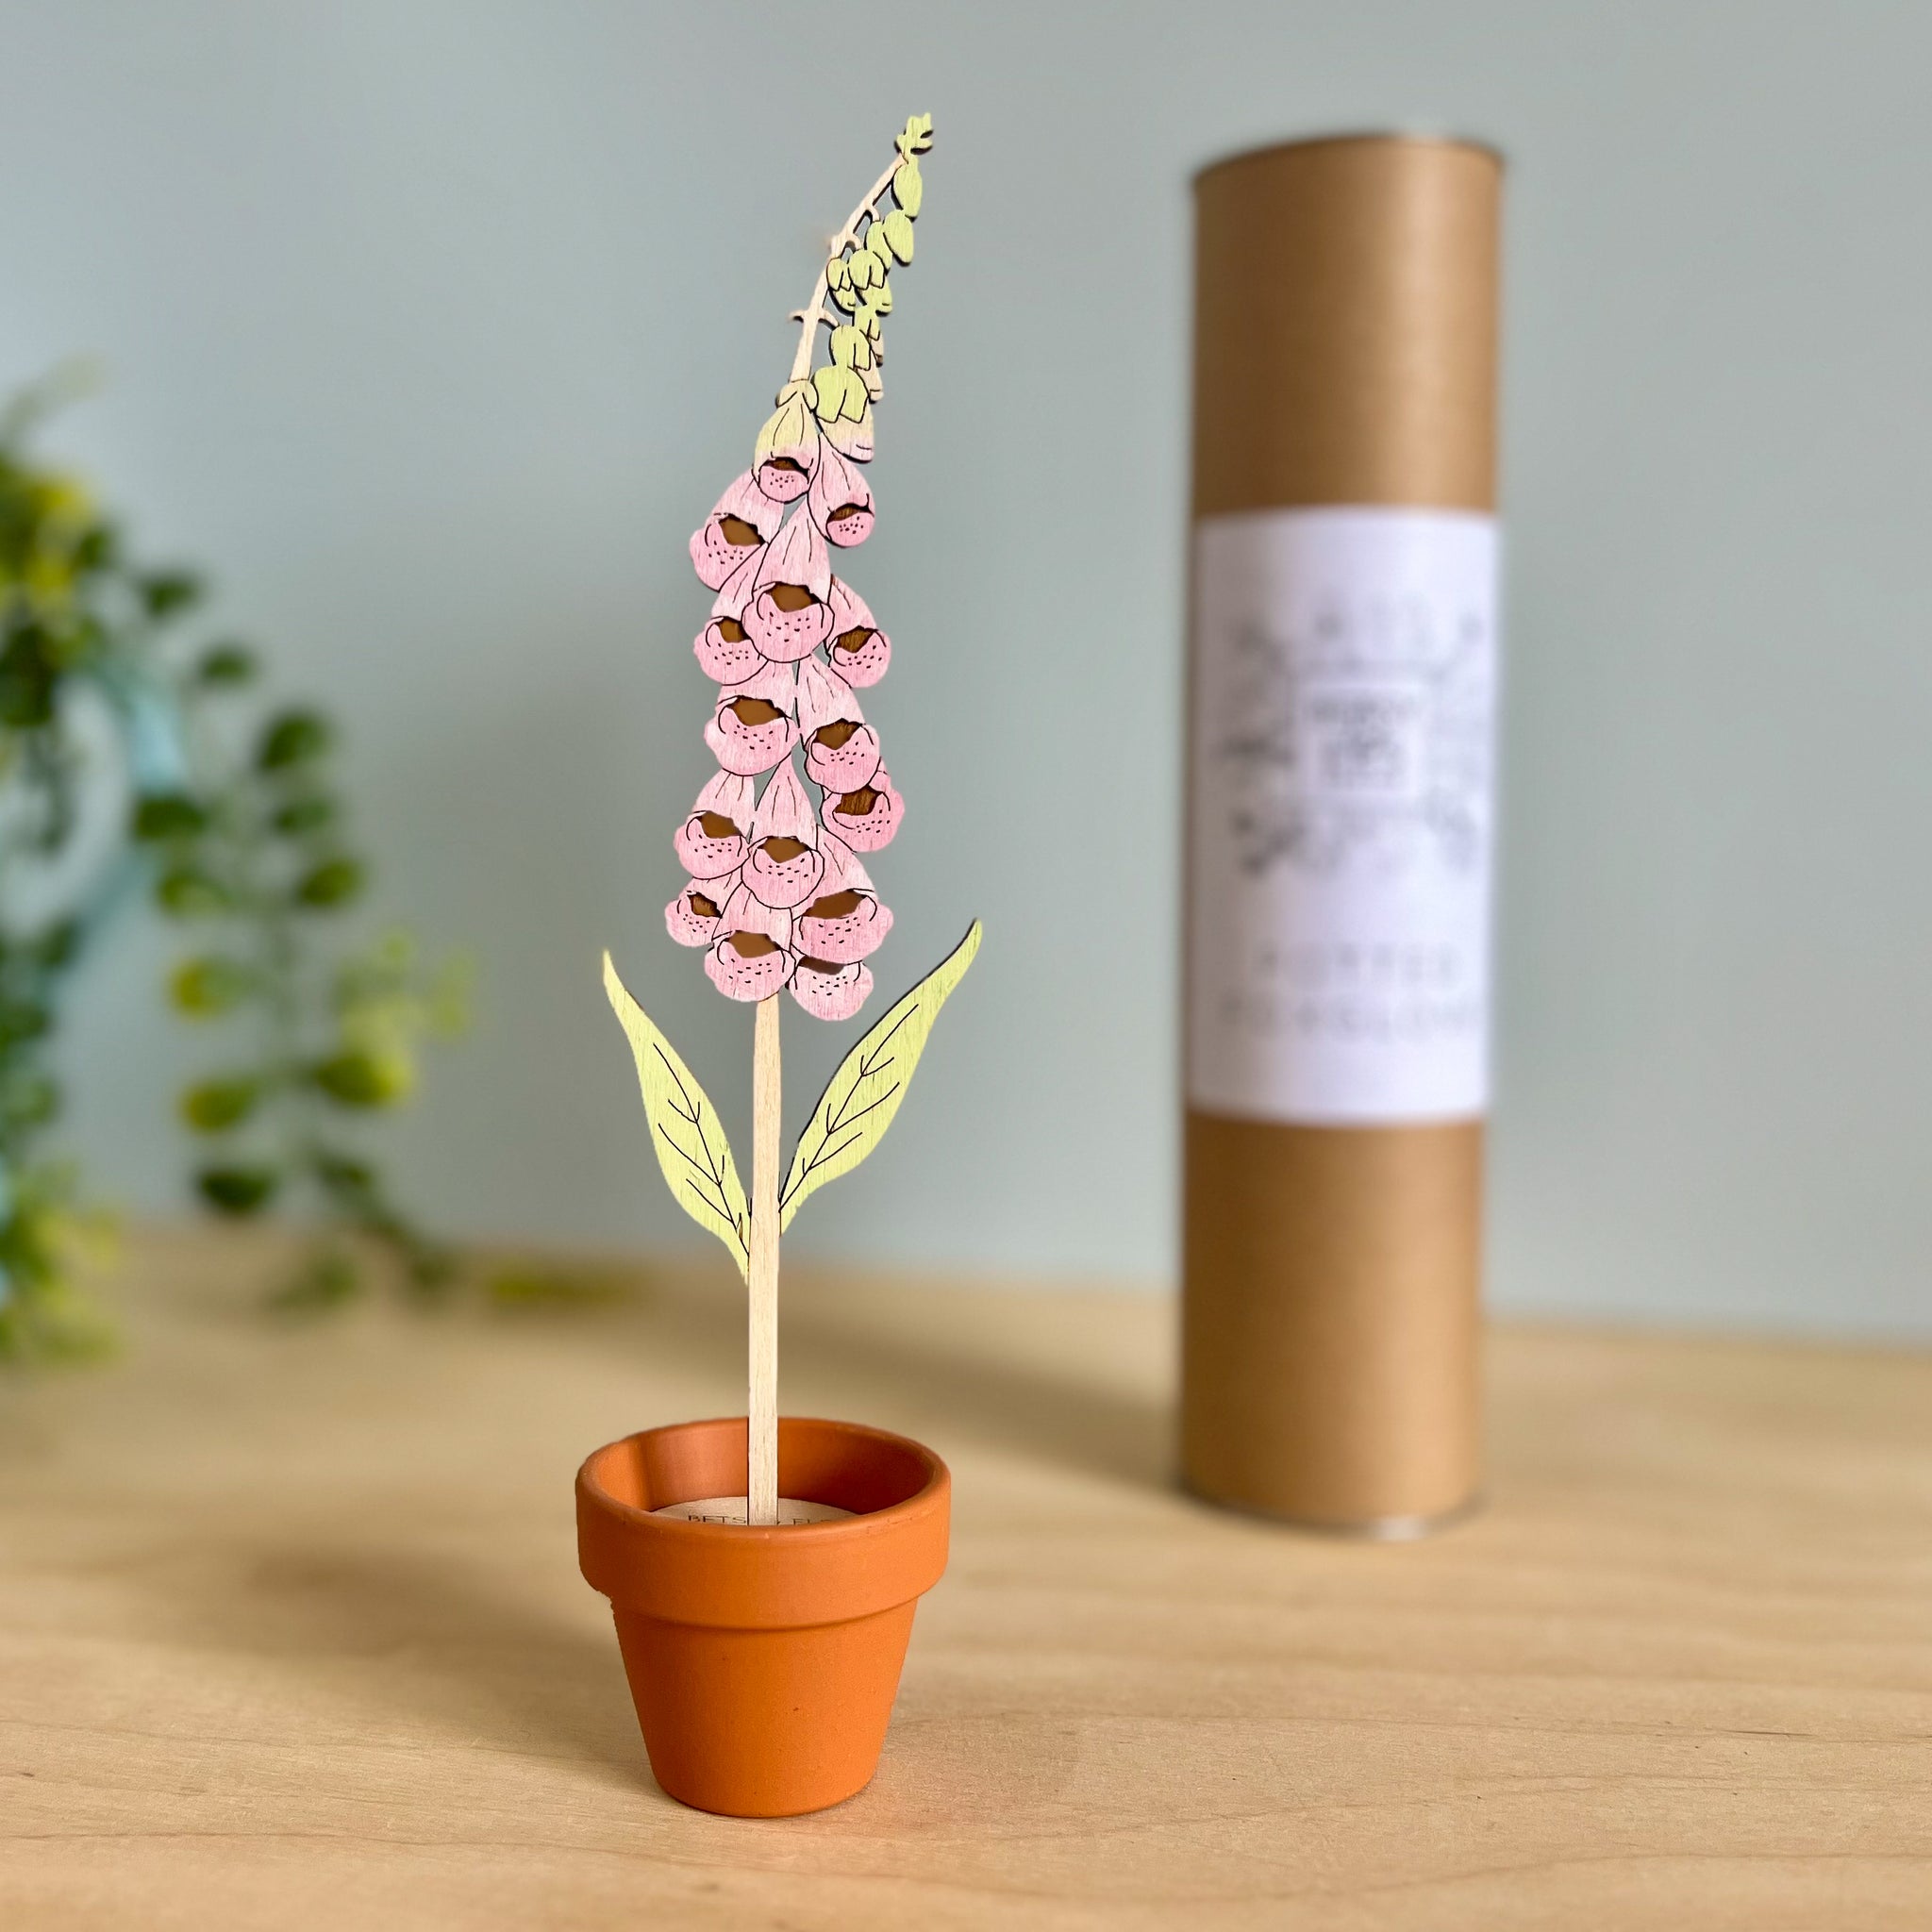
897	229
868	272
837	274
858	1103
908	187
876	245
685	1129
916	137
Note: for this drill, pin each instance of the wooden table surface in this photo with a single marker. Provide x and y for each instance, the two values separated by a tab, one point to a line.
291	1635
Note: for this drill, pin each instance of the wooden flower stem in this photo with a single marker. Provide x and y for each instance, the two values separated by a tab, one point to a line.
762	1476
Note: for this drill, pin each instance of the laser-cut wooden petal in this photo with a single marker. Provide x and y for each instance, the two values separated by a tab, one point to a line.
741	521
859	649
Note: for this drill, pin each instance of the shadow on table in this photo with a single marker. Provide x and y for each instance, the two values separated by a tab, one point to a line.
836	1360
412	1641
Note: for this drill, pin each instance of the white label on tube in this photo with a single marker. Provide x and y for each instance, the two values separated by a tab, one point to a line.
1343	720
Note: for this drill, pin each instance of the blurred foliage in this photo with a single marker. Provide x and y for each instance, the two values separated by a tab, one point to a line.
239	830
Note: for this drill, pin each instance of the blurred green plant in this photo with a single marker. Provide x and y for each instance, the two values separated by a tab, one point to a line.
238	827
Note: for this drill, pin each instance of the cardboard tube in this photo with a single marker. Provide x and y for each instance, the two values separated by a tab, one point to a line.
1344	355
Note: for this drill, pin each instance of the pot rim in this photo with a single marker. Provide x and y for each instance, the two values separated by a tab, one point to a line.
764	1577
843	1529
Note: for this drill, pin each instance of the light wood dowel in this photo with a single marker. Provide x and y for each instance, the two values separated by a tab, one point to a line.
766	1098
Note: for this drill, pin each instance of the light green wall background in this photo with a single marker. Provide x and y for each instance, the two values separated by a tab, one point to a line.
433	327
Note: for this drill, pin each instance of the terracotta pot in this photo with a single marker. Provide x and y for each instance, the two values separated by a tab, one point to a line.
763	1662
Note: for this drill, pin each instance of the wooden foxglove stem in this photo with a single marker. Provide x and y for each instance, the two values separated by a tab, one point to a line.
762	1476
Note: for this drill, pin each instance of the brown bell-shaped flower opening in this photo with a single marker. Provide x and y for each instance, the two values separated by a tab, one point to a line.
842	925
726	653
842	756
784	478
691	918
742	522
711	843
787	614
753	957
751	728
861	655
867	817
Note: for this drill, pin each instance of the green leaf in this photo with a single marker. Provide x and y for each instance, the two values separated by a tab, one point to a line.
908	187
58	945
877	247
349	1181
685	1133
868	272
837	274
897	229
293	739
168	815
334	882
212	1106
189	892
861	1098
23	1020
301	816
363	1080
237	1191
166	592
29	1100
917	136
210	986
226	664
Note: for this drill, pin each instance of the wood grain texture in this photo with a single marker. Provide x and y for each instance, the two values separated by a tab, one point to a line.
292	1637
761	1281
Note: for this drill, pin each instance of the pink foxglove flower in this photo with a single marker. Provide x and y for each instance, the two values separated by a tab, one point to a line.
787	614
840	500
842	750
775	890
752	959
726	653
845	920
710	842
830	991
788	448
753	728
741	521
859	650
785	866
691	918
867	818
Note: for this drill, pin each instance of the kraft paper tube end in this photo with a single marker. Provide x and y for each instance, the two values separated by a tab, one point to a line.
1365	1529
